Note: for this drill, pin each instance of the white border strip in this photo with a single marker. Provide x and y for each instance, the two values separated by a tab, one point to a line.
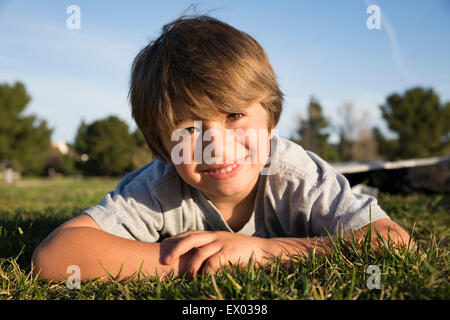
363	166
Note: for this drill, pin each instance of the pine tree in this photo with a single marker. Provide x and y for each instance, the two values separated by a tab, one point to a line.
421	122
312	132
24	140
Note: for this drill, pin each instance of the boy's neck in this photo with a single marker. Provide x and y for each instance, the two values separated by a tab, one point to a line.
236	210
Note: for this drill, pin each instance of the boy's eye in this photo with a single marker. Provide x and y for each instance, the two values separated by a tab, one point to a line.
190	129
231	117
235	116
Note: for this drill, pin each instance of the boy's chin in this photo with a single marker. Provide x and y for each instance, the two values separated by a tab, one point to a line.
225	192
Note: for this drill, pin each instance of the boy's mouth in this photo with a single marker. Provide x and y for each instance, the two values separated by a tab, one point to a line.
219	167
225	171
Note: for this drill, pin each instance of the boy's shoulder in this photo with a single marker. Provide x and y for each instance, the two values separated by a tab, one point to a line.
153	174
297	163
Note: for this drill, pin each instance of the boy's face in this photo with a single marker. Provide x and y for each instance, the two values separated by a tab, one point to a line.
224	154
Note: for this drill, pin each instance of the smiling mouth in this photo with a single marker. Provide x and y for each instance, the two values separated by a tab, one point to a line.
227	171
223	169
224	173
226	168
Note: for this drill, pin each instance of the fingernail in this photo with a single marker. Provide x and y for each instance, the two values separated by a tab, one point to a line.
167	259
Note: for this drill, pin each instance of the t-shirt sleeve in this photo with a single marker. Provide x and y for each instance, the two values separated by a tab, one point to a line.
335	206
129	212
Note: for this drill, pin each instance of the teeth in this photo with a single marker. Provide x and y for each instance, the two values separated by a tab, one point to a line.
227	169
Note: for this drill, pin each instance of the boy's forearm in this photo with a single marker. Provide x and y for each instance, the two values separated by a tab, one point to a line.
284	247
94	250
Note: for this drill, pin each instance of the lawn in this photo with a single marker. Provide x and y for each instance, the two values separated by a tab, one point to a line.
31	208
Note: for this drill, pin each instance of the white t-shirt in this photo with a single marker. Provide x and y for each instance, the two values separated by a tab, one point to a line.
305	197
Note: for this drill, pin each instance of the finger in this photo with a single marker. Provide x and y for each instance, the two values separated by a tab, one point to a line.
187	243
201	256
182	235
173	239
213	264
168	244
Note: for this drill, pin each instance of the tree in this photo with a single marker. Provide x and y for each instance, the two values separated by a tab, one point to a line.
142	154
312	132
24	140
356	141
421	122
106	147
347	132
60	163
386	147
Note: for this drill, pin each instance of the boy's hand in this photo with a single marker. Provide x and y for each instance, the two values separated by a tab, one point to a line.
213	249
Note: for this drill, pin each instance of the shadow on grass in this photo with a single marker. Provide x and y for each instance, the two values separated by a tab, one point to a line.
24	231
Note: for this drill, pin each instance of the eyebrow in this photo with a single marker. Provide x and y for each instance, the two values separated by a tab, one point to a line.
189	118
180	121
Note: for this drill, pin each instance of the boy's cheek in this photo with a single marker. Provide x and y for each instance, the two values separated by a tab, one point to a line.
184	170
180	152
260	151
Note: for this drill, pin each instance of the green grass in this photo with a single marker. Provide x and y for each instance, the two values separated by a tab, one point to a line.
31	209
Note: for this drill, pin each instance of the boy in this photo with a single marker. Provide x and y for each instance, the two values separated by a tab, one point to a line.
202	205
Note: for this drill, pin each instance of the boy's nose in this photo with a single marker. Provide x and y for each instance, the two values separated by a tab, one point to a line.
215	144
219	146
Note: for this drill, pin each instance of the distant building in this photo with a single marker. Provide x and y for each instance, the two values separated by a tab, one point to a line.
7	173
61	146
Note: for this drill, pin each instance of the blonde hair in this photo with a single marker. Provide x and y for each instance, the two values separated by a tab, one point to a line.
206	64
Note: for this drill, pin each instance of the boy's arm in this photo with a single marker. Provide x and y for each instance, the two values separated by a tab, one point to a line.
385	227
213	249
81	242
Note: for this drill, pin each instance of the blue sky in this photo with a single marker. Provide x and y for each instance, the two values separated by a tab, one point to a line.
320	48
